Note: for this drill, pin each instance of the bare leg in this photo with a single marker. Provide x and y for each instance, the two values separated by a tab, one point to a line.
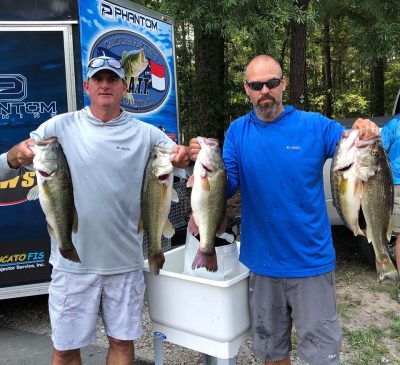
68	357
397	255
397	252
120	352
280	362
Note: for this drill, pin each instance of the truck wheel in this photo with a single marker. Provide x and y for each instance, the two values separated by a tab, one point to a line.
367	250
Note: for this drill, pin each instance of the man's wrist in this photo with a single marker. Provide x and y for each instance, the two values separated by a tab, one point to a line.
13	163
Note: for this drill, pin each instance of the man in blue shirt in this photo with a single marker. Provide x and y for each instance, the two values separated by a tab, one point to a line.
391	141
276	155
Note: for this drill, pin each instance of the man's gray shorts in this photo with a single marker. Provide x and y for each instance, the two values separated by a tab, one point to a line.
310	303
396	210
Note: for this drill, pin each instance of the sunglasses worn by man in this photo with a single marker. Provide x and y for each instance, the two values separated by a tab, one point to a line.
270	84
105	63
98	62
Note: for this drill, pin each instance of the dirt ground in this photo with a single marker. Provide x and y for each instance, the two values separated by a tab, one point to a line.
369	311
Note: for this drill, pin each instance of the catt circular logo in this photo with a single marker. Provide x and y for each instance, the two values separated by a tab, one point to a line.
147	72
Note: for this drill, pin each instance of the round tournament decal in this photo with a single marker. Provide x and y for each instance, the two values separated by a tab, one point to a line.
146	70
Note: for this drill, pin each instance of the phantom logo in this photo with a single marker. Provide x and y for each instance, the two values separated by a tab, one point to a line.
12	87
112	11
13	92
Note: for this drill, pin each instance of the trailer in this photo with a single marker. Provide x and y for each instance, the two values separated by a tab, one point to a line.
46	46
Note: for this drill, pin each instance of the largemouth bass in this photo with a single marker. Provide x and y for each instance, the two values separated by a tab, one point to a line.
156	197
55	192
208	202
345	184
364	182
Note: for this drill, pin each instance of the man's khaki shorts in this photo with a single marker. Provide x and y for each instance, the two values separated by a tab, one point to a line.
310	302
75	300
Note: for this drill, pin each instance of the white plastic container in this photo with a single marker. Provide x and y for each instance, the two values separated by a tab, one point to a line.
205	315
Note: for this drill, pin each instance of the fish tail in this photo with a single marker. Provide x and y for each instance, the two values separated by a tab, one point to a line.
156	262
386	269
70	254
207	260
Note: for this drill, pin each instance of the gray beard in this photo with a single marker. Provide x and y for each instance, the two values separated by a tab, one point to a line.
267	112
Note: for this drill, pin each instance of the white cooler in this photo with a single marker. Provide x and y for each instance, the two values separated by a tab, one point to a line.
205	315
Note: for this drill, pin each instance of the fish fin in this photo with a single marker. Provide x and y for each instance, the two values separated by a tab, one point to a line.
223	226
206	260
359	188
369	234
358	231
174	196
386	269
50	230
140	225
364	173
33	194
70	254
75	221
205	184
192	226
156	262
190	182
168	231
389	230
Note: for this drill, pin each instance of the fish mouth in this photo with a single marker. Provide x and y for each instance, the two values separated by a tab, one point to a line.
46	142
206	168
163	177
45	173
345	168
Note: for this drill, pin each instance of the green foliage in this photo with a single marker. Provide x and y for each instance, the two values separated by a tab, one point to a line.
349	105
361	33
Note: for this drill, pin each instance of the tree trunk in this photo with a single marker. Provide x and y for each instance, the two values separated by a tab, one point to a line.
210	83
378	88
327	70
298	81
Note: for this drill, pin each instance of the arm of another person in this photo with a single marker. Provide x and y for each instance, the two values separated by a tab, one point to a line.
389	132
13	162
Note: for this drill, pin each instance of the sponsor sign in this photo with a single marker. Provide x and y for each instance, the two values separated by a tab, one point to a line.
143	43
24	261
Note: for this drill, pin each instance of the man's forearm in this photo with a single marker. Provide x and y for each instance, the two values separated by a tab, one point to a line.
12	159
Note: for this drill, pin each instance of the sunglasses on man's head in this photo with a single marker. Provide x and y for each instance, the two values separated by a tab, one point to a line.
270	84
98	62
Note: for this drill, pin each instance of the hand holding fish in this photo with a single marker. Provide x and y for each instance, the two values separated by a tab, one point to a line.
368	129
21	154
180	156
194	149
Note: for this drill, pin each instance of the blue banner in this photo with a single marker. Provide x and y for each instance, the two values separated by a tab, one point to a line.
32	90
144	45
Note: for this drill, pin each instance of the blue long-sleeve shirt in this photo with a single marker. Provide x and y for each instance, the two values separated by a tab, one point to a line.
391	141
285	229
